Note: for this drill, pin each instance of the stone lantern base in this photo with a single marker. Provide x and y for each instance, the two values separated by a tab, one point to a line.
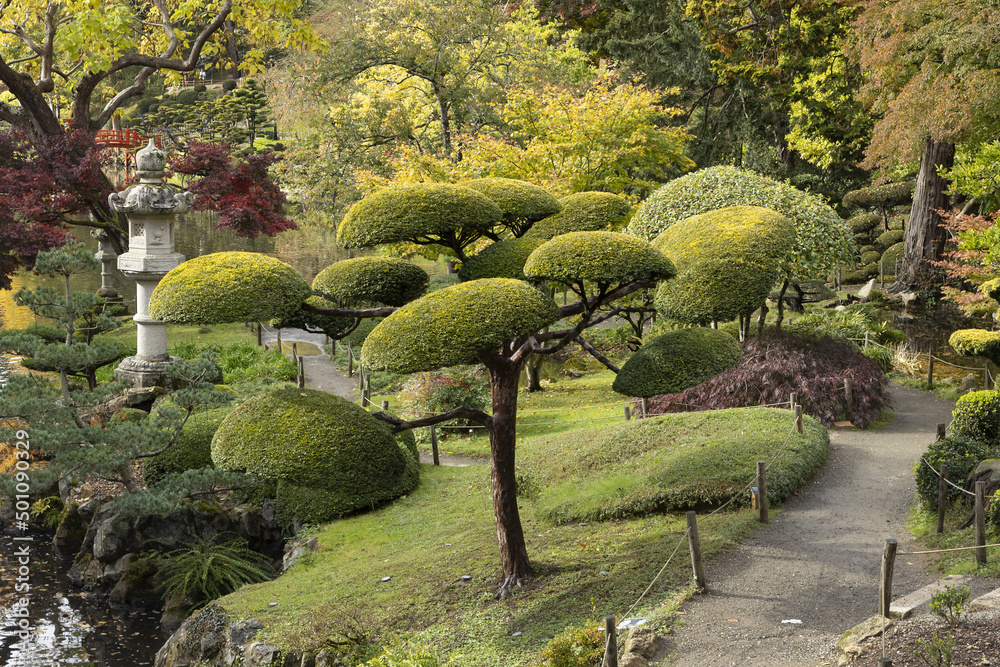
144	373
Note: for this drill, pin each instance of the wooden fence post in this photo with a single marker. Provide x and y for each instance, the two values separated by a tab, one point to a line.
981	523
942	495
885	585
798	420
881	274
385	406
260	334
628	413
793	400
867	334
849	399
611	642
930	368
350	360
941	431
300	365
762	491
280	348
695	544
986	375
295	350
434	446
645	408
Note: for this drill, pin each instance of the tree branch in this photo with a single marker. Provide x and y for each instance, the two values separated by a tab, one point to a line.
591	304
455	413
595	354
360	313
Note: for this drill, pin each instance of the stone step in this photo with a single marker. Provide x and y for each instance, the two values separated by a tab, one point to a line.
984	602
904	606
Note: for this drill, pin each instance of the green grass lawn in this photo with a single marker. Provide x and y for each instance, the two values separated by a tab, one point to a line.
922	523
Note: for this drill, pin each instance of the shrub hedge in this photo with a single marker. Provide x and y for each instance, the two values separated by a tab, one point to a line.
583	212
522	203
504	259
389	280
604	258
416	210
890	238
228	287
889	194
977	416
961	454
977	342
308	439
453	325
191	451
675	361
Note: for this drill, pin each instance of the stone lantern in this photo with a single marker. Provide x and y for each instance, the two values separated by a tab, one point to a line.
106	256
151	206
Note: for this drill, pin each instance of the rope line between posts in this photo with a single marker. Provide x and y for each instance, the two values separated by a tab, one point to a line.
947	481
941	551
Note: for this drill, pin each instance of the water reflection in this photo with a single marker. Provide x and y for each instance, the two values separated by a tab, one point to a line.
308	250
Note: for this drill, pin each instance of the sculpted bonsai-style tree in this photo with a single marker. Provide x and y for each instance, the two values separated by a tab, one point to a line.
498	322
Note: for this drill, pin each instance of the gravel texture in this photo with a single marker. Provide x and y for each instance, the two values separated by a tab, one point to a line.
818	561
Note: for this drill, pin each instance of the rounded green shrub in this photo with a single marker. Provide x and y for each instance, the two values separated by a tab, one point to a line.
455	324
312	439
862	239
603	258
890	238
898	221
576	646
858	276
228	287
504	259
892	254
417	210
961	453
990	288
229	84
977	416
867	248
675	361
332	326
727	262
389	280
863	223
870	257
823	240
583	212
522	203
192	450
977	342
889	194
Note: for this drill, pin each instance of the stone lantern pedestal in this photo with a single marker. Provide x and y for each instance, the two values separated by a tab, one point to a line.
151	206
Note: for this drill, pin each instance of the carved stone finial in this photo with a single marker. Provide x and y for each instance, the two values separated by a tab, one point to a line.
151	163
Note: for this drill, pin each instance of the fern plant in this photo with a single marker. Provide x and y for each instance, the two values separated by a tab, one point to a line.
206	571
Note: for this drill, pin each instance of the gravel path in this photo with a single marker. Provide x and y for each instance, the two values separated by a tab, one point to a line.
819	559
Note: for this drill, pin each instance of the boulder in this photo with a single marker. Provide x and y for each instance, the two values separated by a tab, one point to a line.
70	532
632	660
642	640
113	538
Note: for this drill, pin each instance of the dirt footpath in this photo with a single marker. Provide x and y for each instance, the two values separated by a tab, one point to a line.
818	561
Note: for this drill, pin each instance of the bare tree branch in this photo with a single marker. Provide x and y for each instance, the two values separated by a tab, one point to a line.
360	313
477	416
595	354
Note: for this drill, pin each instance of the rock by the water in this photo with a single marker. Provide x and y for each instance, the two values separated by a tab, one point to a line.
866	289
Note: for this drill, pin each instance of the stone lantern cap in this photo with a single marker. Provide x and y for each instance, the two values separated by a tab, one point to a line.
151	195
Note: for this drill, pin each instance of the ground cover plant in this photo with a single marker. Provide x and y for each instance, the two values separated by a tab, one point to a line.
775	364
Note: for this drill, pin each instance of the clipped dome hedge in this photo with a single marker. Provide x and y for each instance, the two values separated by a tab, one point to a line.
522	202
607	258
416	210
453	325
977	342
823	240
191	451
675	361
311	439
387	280
228	287
583	212
503	259
727	262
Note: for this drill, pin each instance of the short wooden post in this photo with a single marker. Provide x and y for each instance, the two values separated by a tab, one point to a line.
645	408
798	420
366	390
930	368
986	375
434	446
280	348
300	365
885	662
793	400
885	584
762	491
385	406
260	335
628	413
941	431
981	523
942	495
849	399
695	543
881	274
611	642
867	334
350	359
295	350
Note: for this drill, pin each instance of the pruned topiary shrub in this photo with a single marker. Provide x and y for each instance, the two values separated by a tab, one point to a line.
522	203
420	210
504	259
228	287
727	262
775	364
891	256
602	258
583	212
977	342
863	223
316	445
888	195
961	454
675	361
977	416
890	238
388	280
191	451
422	334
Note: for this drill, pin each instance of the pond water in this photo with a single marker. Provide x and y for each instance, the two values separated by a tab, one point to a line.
64	627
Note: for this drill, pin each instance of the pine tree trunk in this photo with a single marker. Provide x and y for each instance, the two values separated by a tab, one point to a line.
924	239
504	377
533	371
